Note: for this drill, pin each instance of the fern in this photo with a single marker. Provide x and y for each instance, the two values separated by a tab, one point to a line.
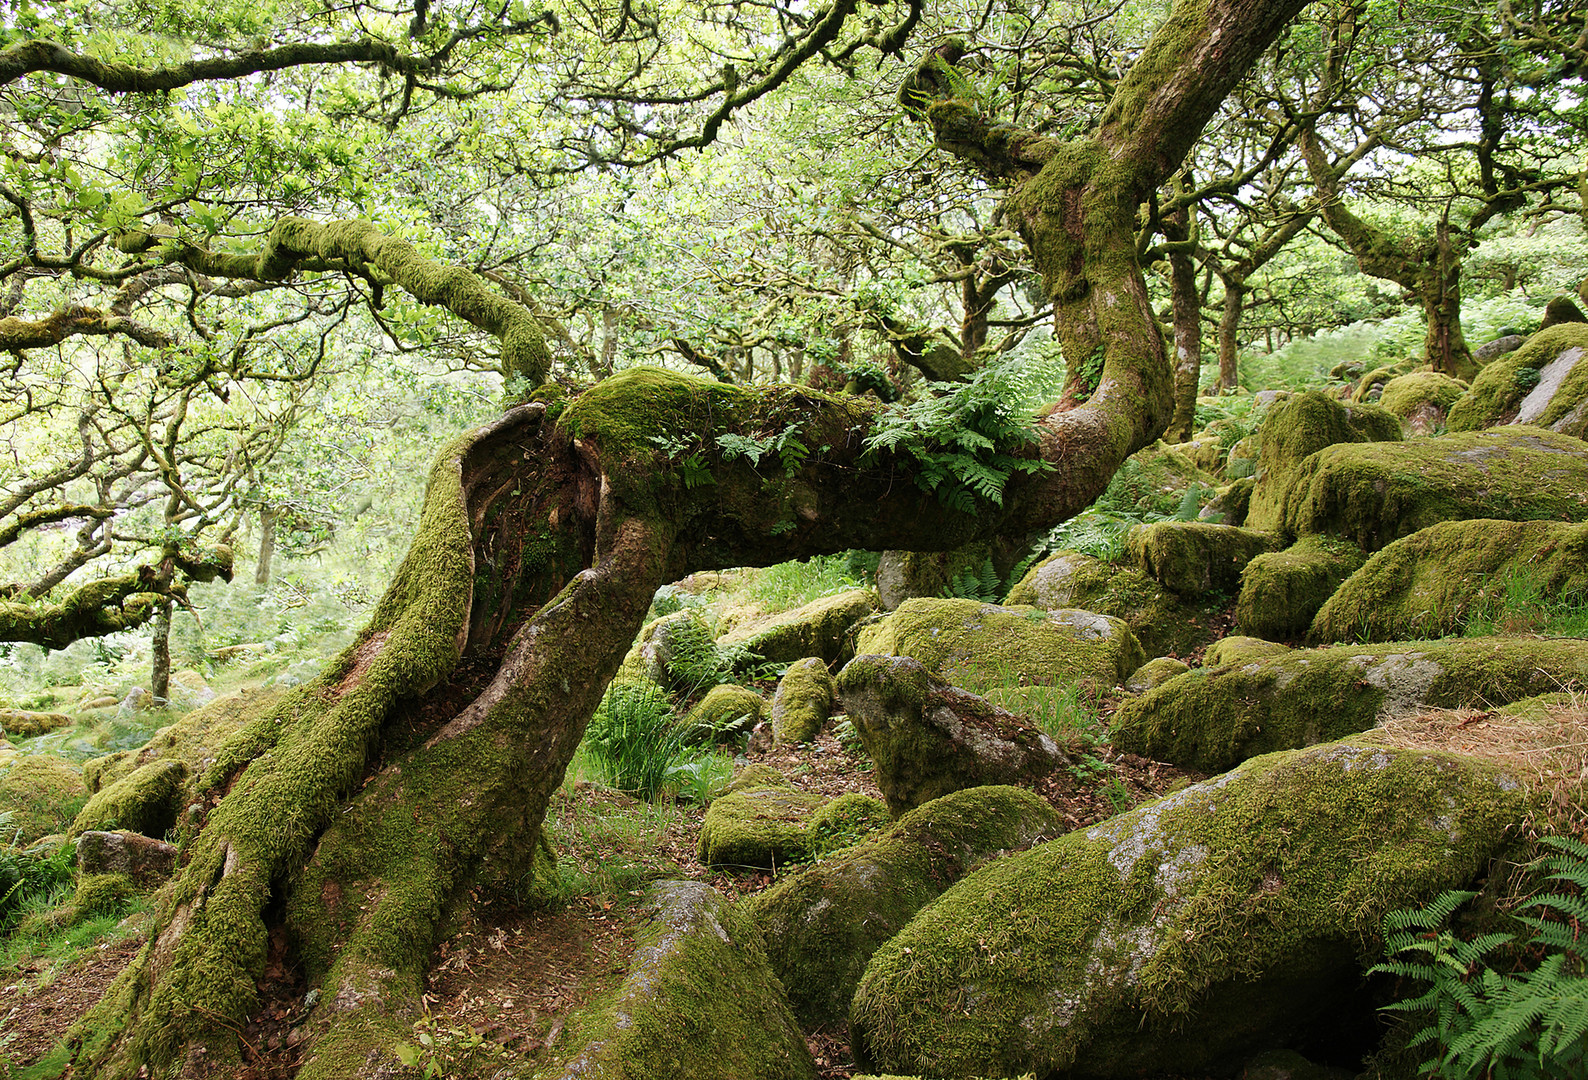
1482	1021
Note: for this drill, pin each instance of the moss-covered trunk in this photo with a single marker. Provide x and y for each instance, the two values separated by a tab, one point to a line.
1185	303
1229	331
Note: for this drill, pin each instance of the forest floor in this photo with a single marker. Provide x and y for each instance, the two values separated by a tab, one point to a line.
506	984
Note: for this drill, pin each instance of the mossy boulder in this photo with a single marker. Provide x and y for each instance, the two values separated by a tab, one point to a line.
1195	557
1230	917
25	723
844	822
760	828
1153	480
195	740
819	628
756	775
1155	673
1430	583
970	640
823	924
803	701
700	1000
146	800
1422	399
1163	622
1231	503
1376	493
43	794
929	739
726	712
1281	591
1241	649
1544	383
670	651
1297	427
905	575
1213	718
144	859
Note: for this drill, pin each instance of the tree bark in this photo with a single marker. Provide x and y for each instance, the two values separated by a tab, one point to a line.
1229	330
160	653
415	771
267	545
1186	304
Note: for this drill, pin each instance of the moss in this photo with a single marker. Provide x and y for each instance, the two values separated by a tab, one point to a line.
966	639
1421	392
194	740
724	710
803	702
757	828
43	794
1428	584
756	776
1294	429
1186	931
823	924
1152	481
902	575
1377	493
700	1000
1498	391
1162	621
1378	380
819	628
1281	591
1240	649
1213	718
1193	557
1154	673
929	739
24	724
145	801
845	821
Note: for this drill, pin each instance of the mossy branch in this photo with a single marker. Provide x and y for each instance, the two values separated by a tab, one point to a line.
361	247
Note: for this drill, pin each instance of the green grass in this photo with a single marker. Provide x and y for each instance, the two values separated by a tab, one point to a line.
606	846
792	584
1519	602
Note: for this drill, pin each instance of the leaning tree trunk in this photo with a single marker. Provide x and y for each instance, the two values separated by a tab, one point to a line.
415	772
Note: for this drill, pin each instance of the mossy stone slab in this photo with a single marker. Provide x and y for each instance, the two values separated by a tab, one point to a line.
1162	621
1211	719
1376	493
1425	585
1544	383
757	828
42	792
1297	427
823	924
1196	557
819	628
700	1001
1281	591
1229	917
967	639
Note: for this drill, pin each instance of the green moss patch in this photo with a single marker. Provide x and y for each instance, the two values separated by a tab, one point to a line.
1428	584
145	801
968	639
1214	718
1281	591
726	712
1422	399
823	924
1240	649
819	628
1376	493
700	1001
757	828
194	740
43	793
1163	622
803	702
1298	427
1191	929
1194	557
24	724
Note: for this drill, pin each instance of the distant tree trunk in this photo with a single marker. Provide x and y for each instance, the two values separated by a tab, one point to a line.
160	653
414	773
1186	305
267	544
1229	331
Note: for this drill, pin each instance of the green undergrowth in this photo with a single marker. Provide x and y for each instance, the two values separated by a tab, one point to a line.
1499	1005
1519	602
1071	712
636	744
606	843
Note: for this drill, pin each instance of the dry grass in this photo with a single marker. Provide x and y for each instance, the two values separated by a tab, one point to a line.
1546	742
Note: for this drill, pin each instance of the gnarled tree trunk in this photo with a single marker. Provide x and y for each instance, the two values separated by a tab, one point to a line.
415	772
